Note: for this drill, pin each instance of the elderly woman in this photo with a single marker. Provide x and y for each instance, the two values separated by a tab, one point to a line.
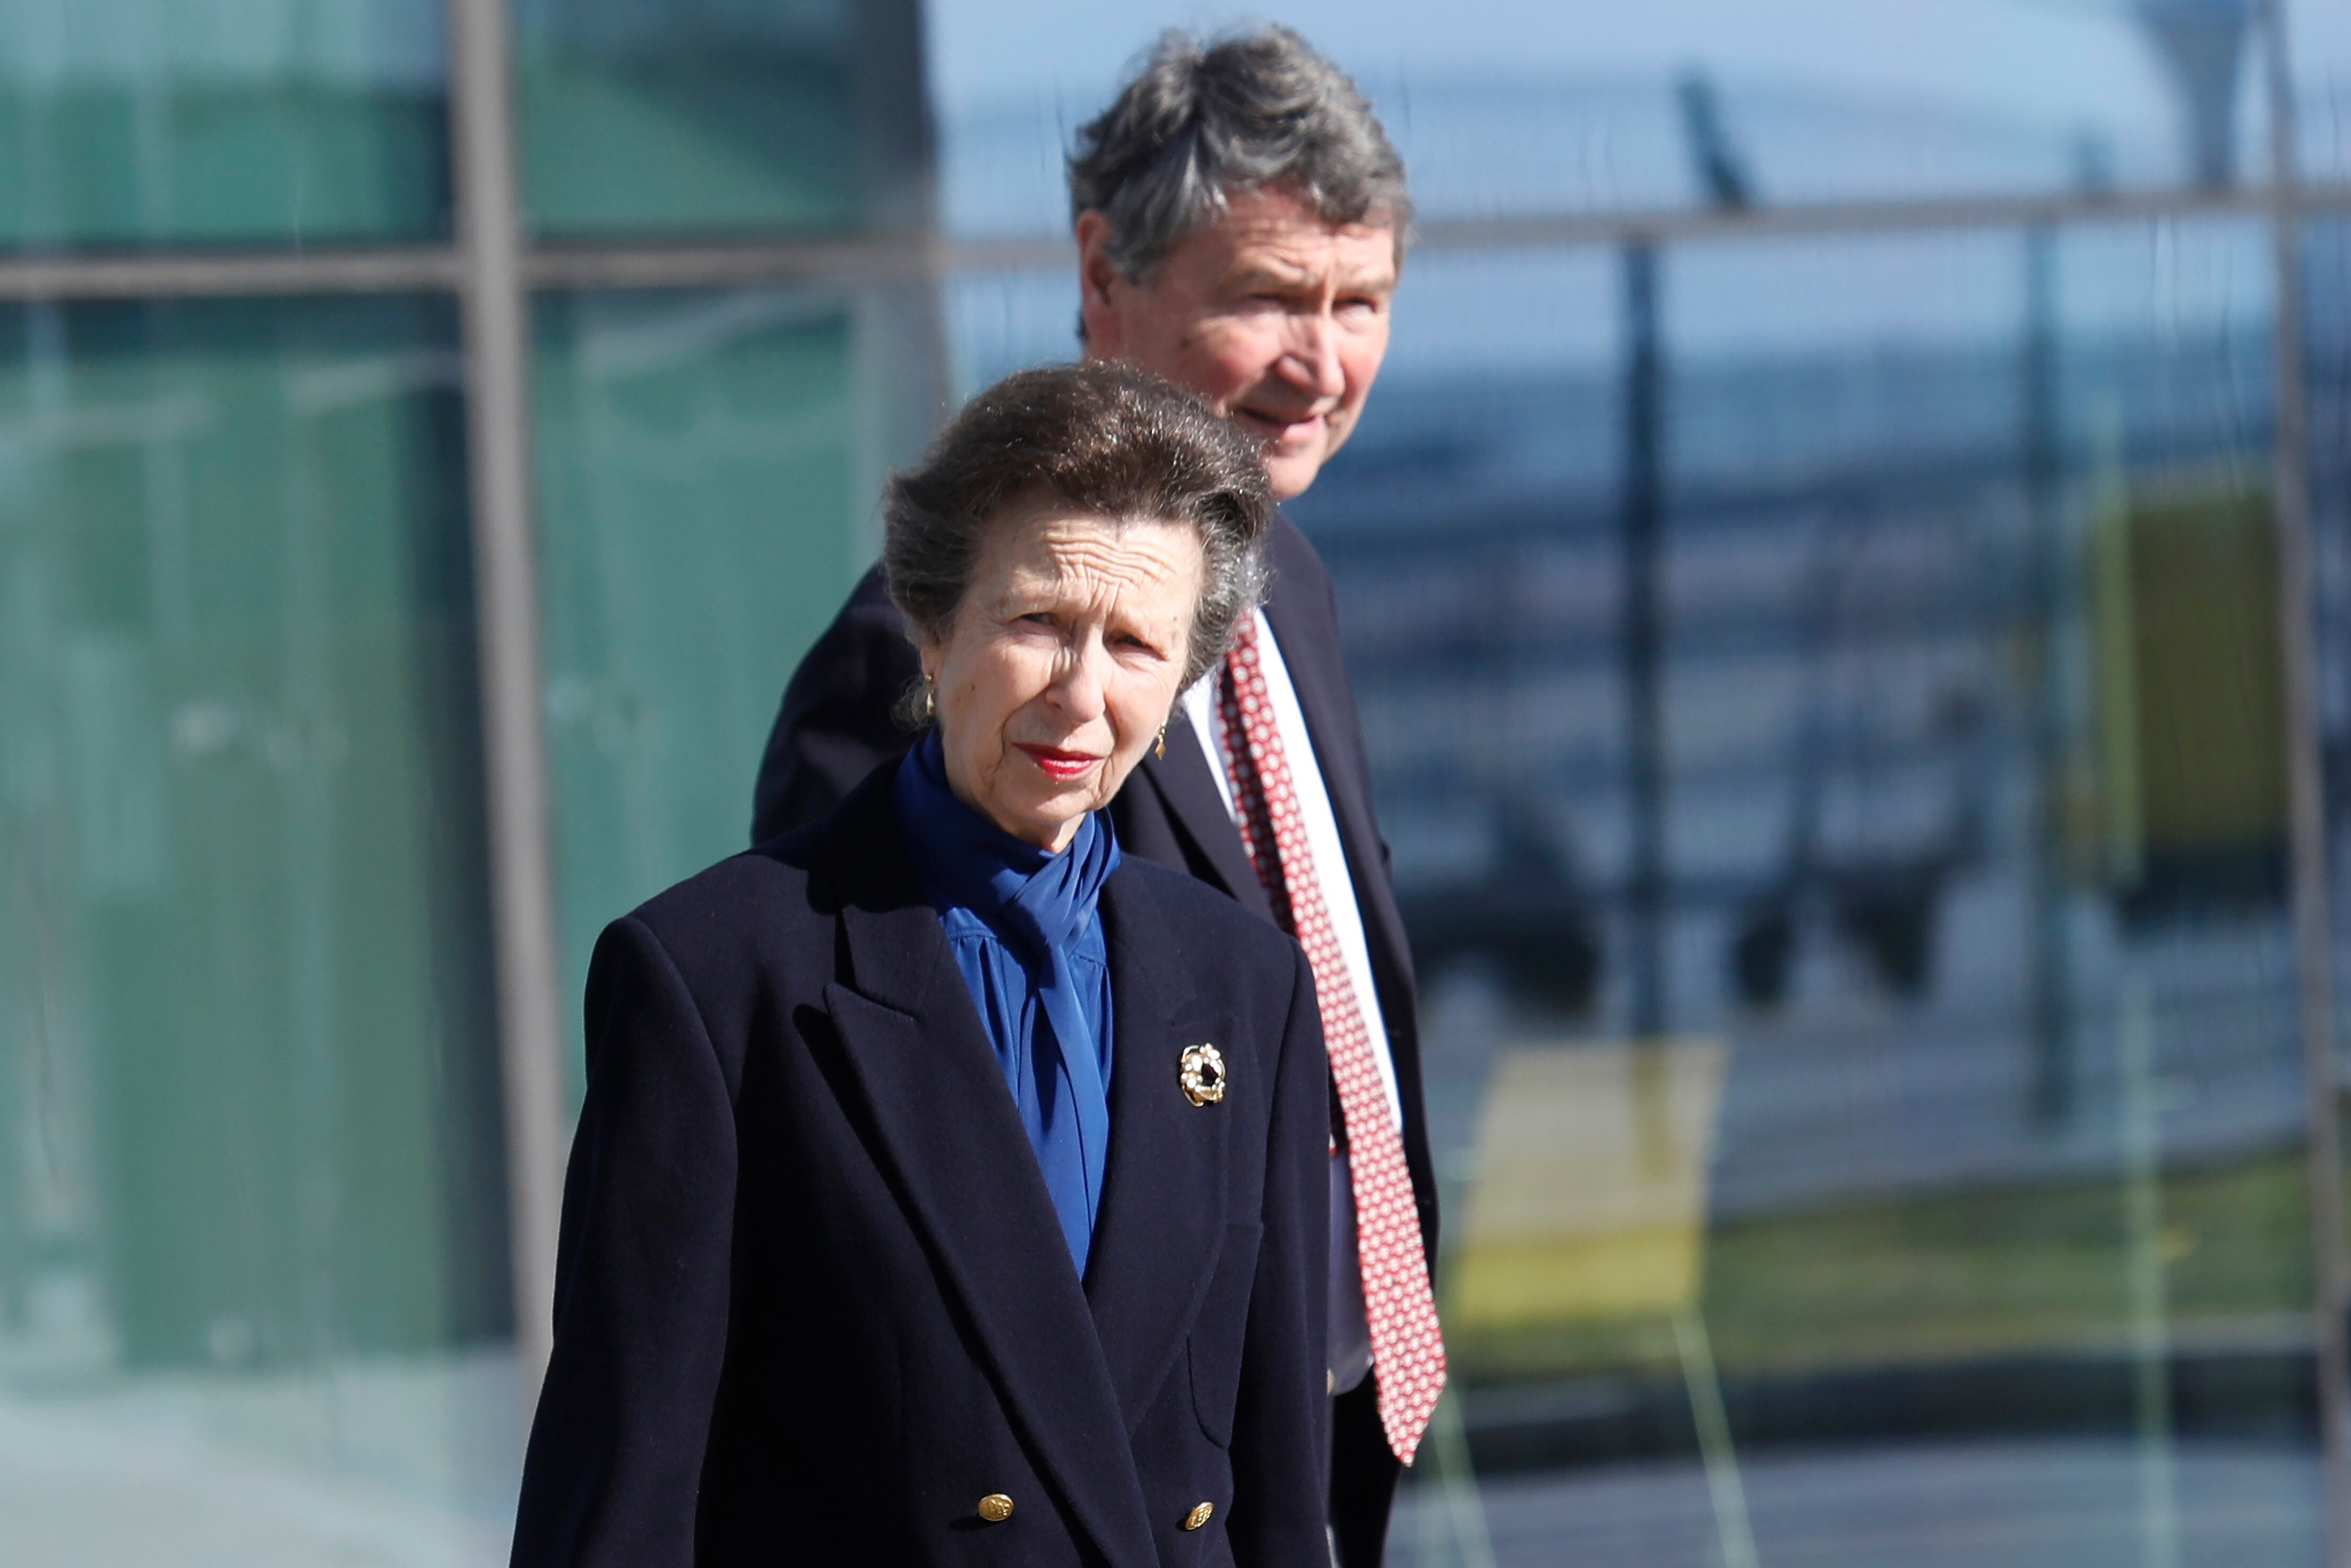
949	1190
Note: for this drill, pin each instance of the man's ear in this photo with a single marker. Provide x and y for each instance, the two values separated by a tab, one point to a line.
1097	278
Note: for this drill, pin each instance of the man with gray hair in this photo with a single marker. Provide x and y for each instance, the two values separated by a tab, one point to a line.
1240	218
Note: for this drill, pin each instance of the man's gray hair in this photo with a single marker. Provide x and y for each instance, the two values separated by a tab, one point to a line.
1199	122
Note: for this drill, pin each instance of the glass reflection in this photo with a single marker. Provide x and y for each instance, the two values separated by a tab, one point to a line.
149	122
720	116
1824	700
1901	1052
254	1291
1505	111
2320	37
707	466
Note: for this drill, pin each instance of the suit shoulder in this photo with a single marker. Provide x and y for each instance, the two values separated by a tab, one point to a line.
1293	554
867	626
869	601
730	911
786	886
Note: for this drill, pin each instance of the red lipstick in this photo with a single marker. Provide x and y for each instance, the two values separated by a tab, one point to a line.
1062	766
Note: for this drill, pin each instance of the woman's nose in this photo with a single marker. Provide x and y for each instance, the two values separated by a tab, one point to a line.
1079	692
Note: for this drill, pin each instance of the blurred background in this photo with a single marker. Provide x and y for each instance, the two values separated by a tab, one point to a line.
1846	574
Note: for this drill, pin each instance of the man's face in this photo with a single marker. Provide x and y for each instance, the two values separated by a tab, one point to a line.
1277	317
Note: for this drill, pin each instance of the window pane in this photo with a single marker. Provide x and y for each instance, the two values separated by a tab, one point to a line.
254	1297
1501	107
707	466
1895	1116
2321	39
637	117
154	122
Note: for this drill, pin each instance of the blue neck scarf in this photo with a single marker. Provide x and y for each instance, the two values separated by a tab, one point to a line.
1027	933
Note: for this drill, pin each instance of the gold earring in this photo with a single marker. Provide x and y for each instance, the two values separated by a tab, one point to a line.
1160	749
930	702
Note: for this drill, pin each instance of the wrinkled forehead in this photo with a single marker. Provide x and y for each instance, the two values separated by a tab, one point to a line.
1055	548
1273	230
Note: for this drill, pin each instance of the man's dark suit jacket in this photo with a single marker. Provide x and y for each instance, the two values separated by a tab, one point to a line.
835	723
813	1303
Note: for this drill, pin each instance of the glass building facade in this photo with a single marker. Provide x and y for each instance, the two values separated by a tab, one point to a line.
1812	576
258	1254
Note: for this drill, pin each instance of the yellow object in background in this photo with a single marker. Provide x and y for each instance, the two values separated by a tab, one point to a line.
2190	693
1589	1200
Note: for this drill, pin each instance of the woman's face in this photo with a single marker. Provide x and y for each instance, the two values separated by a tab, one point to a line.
1062	662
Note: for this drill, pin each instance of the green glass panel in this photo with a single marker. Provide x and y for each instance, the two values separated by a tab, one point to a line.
251	1186
701	503
242	123
715	118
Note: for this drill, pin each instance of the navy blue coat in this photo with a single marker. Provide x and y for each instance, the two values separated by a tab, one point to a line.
812	1302
834	725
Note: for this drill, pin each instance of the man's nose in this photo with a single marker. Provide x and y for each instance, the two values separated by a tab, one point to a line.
1313	361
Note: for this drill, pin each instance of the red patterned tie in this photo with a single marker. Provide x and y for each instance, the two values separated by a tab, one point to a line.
1407	1346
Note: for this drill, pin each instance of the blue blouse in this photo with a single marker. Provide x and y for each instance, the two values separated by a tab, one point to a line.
1026	929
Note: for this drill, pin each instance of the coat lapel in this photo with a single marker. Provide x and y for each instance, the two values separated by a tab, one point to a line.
1197	808
1161	1219
948	1132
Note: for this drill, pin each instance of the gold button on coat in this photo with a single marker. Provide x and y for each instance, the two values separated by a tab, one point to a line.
995	1507
1199	1516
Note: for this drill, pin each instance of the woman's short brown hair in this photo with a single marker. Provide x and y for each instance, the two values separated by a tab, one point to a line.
1103	437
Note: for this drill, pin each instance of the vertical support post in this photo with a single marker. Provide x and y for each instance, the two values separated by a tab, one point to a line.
2306	792
497	415
1644	635
2042	460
